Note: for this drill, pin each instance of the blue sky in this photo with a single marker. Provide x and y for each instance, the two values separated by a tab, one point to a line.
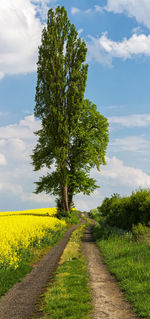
117	34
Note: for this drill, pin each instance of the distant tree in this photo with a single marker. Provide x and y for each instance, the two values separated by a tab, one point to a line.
61	82
73	135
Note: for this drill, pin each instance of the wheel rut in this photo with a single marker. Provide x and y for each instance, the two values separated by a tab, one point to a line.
20	301
108	299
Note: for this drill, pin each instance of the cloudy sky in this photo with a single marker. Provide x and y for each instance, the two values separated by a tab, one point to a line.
117	33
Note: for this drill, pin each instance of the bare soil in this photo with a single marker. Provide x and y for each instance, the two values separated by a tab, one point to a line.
108	299
21	300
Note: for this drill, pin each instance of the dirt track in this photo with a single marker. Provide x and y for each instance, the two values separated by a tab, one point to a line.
108	299
20	301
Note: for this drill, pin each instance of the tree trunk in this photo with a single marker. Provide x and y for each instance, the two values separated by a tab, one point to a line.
64	198
70	201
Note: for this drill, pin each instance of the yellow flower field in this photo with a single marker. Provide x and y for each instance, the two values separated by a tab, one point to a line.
20	231
40	211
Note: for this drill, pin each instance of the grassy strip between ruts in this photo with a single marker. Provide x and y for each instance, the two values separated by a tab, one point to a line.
69	296
129	261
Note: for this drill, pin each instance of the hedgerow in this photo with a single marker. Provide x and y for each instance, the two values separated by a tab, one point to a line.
123	212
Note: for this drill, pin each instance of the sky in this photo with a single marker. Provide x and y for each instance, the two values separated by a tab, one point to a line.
117	35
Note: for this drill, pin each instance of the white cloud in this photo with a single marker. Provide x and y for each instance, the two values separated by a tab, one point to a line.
82	204
125	175
37	198
16	145
17	176
139	9
134	120
23	130
11	187
103	50
42	7
97	52
132	143
16	148
2	159
88	11
30	123
20	37
115	177
98	8
17	141
75	10
80	31
137	30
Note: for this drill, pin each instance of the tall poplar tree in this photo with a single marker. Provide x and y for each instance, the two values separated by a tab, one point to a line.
61	82
73	137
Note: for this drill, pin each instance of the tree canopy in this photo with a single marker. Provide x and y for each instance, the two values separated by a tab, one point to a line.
73	135
87	150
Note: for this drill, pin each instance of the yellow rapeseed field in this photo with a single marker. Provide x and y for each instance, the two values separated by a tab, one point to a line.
40	211
20	231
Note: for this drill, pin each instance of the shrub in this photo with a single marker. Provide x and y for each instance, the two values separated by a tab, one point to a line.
106	206
104	231
123	212
120	215
141	233
95	214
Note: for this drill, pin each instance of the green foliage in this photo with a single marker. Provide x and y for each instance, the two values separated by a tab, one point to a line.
61	81
70	296
73	134
107	204
88	149
127	255
123	212
95	214
103	231
129	261
8	277
73	217
141	233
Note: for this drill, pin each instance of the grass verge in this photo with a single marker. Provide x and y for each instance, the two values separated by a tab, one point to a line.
70	295
129	261
10	276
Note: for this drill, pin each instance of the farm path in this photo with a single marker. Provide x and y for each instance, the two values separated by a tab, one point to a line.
20	301
108	300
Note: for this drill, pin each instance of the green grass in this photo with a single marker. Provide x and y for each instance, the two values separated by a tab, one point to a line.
129	261
9	276
72	218
69	296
